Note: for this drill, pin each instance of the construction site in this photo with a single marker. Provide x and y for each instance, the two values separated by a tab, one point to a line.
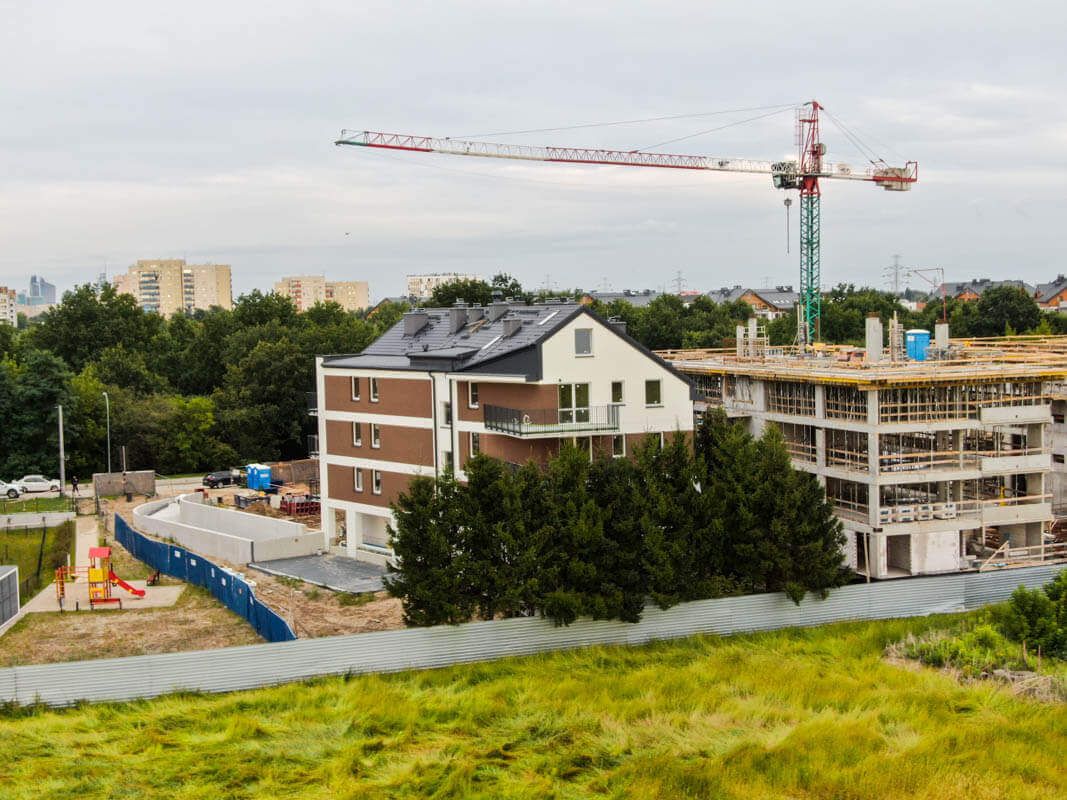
937	457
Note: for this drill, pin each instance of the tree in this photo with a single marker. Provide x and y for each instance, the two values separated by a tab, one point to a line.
117	366
1001	307
507	285
616	486
31	392
424	538
469	291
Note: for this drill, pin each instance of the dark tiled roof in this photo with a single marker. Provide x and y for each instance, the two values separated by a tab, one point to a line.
1046	291
636	299
781	297
979	285
476	343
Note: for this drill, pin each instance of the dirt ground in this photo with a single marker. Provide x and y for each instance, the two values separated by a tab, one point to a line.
196	622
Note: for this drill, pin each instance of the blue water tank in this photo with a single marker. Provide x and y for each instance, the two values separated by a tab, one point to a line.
917	342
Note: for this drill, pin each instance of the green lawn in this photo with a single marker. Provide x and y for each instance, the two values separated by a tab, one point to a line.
794	714
23	547
35	505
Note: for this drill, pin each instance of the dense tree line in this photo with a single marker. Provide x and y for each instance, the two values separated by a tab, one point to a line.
727	515
188	393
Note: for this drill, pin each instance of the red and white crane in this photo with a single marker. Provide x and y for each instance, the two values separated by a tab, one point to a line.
803	174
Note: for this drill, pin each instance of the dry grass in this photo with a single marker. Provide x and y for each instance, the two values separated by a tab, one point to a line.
793	714
316	612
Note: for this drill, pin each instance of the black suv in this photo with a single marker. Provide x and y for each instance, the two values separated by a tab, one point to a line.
213	480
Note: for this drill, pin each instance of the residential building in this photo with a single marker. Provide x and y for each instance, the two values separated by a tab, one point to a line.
766	303
422	286
8	312
639	298
170	286
1052	295
974	288
931	465
512	381
307	290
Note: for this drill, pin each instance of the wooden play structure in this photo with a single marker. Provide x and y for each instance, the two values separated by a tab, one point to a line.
99	575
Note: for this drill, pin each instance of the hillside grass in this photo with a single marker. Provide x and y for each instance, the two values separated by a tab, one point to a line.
23	548
814	713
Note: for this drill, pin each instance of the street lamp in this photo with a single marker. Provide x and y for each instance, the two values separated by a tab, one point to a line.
107	410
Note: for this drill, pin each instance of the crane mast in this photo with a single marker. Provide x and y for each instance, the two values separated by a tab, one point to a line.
803	175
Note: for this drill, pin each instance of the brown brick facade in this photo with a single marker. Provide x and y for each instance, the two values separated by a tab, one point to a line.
342	486
400	444
401	397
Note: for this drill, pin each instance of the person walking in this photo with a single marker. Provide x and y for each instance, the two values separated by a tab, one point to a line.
74	485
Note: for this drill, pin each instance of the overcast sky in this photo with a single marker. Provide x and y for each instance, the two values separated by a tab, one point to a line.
204	131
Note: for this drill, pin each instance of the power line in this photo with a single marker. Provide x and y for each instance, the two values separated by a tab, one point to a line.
713	130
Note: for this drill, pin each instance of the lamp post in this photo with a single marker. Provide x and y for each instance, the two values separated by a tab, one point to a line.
107	411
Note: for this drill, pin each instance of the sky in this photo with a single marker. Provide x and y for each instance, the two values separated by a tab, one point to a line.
205	131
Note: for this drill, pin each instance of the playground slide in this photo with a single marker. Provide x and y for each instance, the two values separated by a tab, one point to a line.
120	582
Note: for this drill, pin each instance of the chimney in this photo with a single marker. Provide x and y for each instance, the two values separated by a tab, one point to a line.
457	318
415	321
618	324
497	309
873	339
511	327
475	313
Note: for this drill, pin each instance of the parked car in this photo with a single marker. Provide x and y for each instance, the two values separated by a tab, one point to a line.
37	483
9	490
224	477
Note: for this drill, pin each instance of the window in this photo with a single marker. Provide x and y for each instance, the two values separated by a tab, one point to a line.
476	443
472	395
375	481
374	390
355	388
375	435
574	402
618	446
1057	418
357	434
358	480
448	466
583	341
1057	458
616	391
585	444
652	394
446	413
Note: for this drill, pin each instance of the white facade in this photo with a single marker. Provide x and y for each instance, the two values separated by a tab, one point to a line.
422	286
8	310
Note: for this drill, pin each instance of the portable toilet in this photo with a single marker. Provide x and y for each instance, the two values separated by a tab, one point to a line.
258	476
917	342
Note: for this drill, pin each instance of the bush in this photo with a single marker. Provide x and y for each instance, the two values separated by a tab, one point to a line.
1038	617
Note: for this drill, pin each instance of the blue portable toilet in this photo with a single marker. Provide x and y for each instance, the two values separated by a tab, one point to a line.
258	476
917	342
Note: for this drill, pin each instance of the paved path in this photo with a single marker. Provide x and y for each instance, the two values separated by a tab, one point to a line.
78	597
339	573
87	535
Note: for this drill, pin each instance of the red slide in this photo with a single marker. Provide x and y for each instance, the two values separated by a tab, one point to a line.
120	582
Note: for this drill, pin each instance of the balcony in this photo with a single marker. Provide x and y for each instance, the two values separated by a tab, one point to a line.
313	446
549	422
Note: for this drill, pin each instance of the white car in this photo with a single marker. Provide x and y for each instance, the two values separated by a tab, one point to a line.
9	490
36	483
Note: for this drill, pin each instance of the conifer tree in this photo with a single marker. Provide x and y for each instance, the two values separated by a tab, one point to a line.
616	488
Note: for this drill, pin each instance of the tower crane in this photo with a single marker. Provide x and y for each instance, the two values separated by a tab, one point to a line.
803	174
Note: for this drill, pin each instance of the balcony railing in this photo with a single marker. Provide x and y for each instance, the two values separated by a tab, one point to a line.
551	422
313	446
312	403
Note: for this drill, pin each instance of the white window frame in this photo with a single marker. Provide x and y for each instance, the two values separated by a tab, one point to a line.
357	479
475	450
448	462
583	330
446	413
472	394
374	390
659	384
357	434
355	388
375	481
622	393
375	435
622	437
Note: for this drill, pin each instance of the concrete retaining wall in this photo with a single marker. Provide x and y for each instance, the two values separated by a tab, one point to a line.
48	519
109	484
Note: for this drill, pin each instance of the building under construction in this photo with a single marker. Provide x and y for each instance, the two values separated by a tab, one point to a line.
936	457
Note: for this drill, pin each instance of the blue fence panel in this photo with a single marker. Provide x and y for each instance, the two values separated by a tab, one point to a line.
192	568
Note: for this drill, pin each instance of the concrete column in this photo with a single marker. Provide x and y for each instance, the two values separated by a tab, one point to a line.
820	446
354	531
820	402
872	407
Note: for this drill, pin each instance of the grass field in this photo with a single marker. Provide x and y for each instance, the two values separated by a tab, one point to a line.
35	505
25	549
794	714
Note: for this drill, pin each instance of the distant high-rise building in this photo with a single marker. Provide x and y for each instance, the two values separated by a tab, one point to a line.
307	290
422	286
42	293
8	299
169	286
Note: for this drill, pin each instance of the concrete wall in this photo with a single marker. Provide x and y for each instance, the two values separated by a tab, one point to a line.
46	520
109	484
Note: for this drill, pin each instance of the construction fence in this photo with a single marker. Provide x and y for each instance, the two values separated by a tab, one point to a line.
234	668
228	588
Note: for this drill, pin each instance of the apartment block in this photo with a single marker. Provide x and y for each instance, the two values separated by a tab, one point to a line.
170	286
514	382
307	290
422	286
8	312
933	464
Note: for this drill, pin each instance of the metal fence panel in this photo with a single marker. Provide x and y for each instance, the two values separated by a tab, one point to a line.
229	589
252	666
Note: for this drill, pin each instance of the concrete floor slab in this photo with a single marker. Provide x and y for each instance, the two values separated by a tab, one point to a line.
340	573
77	596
